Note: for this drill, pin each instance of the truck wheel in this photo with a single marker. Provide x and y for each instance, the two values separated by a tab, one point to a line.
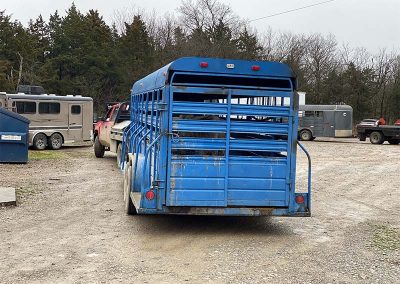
305	135
98	148
362	137
40	141
119	150
55	141
376	137
394	141
129	207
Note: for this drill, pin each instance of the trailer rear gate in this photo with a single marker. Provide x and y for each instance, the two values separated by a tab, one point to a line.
258	171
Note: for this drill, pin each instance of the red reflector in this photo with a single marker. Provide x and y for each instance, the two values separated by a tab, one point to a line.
203	64
150	195
255	68
299	199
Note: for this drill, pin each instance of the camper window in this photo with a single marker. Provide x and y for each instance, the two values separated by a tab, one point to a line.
49	108
76	109
26	107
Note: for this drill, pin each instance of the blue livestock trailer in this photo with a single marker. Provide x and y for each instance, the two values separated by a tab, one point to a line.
214	137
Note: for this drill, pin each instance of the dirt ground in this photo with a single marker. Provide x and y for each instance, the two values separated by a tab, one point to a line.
70	226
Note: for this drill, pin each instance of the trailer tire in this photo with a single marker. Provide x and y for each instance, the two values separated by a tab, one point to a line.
305	135
394	141
40	141
119	150
376	137
98	148
55	141
129	207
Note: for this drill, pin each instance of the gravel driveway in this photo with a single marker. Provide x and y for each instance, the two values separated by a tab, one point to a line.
70	227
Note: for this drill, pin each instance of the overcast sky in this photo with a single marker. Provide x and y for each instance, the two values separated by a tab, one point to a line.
372	24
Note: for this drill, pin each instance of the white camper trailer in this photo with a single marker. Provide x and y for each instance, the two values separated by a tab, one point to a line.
55	120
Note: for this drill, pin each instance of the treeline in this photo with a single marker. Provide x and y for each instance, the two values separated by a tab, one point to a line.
80	54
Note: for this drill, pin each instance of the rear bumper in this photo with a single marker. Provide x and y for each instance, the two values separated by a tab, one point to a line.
226	211
294	210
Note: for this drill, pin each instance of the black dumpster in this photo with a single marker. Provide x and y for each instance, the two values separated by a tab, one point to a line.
14	132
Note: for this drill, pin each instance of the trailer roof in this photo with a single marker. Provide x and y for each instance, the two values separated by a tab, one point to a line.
48	97
160	77
324	107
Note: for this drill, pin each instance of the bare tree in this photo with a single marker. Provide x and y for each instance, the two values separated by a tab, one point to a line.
206	15
21	60
382	70
320	60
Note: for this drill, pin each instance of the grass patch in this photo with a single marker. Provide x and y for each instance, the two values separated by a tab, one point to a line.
45	155
23	193
385	238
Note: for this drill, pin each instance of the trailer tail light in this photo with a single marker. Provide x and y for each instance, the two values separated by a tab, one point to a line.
255	68
299	199
150	195
203	64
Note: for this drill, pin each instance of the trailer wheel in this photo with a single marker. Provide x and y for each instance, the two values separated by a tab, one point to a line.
55	141
376	137
305	135
129	207
119	150
98	148
40	141
394	141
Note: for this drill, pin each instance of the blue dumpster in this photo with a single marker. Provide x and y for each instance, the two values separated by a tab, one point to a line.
14	132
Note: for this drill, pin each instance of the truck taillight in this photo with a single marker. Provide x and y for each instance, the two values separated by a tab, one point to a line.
203	64
255	68
150	195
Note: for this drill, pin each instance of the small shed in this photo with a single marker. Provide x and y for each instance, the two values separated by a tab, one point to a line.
14	132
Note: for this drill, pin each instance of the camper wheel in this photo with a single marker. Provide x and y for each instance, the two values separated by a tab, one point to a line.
40	141
55	141
305	135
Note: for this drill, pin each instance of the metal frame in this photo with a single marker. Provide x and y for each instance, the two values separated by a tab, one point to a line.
153	137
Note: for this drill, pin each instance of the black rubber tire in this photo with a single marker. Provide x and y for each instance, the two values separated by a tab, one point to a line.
394	141
305	135
362	137
40	141
119	150
376	137
129	207
55	141
98	148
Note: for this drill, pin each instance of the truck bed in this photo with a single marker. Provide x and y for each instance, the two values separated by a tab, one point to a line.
117	131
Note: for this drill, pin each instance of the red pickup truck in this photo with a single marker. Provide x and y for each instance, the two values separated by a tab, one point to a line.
108	132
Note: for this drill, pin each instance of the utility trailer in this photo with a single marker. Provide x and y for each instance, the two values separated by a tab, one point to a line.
214	137
378	134
325	121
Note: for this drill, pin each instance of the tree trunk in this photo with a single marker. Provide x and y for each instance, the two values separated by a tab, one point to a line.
21	60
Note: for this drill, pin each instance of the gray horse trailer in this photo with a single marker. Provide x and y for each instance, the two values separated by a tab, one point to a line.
55	120
325	121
